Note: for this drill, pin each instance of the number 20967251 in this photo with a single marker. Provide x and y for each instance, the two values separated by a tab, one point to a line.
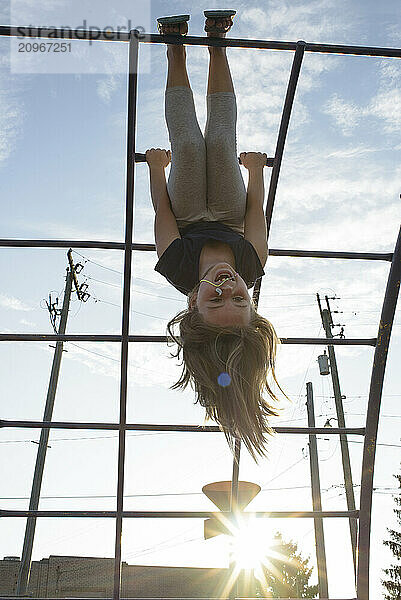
44	47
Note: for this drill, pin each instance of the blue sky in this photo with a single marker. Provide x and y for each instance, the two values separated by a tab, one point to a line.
62	175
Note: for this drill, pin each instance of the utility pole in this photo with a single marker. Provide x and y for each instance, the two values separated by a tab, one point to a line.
349	488
25	565
316	498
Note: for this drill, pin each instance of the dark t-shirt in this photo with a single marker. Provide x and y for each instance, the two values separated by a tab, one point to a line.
179	263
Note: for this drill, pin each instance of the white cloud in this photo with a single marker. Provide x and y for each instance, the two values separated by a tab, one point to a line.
106	87
346	115
261	79
60	230
106	362
27	323
29	12
260	76
114	63
12	111
12	303
11	118
384	105
355	232
353	151
309	21
393	35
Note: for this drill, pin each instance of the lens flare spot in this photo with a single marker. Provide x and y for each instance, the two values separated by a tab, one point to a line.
224	379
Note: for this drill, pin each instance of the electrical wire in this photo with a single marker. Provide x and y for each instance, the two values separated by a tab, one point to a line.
297	407
378	444
357	297
102	437
97	264
96	299
182	494
132	366
283	472
165	545
154	316
86	438
136	291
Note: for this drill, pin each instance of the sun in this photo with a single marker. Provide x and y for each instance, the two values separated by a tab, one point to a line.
253	555
250	545
253	548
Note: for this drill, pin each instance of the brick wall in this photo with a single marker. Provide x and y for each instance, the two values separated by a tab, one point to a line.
67	576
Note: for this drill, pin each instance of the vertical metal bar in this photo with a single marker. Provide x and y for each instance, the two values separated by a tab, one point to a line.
25	565
131	130
233	592
281	139
234	480
372	419
316	498
285	119
348	483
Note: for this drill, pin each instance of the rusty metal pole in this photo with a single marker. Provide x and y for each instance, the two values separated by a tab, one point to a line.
316	498
25	565
349	488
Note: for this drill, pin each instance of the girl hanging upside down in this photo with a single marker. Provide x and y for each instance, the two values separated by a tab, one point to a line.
211	241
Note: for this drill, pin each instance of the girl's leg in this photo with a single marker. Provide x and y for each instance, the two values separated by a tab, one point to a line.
226	193
187	179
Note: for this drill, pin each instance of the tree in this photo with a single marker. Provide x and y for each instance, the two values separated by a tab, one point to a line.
393	583
287	574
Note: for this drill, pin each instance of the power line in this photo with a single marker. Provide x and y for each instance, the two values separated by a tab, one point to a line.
136	290
179	494
379	444
96	299
98	264
283	472
165	545
102	437
95	437
118	361
360	297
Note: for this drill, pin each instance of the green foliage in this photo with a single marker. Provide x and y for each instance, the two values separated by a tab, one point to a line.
393	573
288	574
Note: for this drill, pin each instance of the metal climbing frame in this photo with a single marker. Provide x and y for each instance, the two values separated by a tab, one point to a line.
381	343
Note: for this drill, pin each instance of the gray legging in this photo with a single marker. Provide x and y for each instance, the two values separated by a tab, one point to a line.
205	181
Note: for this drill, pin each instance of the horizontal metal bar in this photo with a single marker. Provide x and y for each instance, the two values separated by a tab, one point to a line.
101	245
331	342
353	50
75	337
107	426
329	254
52	337
272	45
122	36
64	33
160	514
141	158
321	430
164	597
95	244
176	428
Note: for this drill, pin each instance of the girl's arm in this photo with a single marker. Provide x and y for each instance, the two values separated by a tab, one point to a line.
165	227
255	221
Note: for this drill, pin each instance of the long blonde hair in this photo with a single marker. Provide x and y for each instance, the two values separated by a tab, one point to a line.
245	353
